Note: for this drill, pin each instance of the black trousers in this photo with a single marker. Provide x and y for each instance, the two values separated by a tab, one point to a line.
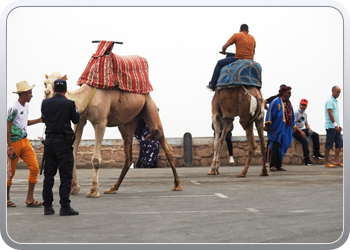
305	144
228	142
58	154
275	160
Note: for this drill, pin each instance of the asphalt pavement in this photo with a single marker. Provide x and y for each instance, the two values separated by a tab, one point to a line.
301	205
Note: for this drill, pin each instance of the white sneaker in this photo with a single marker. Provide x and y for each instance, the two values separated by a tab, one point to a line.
231	159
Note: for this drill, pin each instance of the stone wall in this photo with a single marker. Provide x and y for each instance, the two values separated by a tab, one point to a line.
112	153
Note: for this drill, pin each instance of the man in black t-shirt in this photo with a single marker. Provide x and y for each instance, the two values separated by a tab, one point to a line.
271	98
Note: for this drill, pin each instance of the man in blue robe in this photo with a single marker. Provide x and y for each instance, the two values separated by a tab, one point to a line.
279	125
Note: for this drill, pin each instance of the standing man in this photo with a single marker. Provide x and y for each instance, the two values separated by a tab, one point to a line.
57	113
333	129
18	144
279	125
245	49
303	130
268	101
271	98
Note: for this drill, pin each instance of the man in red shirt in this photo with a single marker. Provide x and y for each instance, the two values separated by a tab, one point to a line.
245	49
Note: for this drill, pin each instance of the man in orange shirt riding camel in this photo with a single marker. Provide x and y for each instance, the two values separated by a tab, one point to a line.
245	49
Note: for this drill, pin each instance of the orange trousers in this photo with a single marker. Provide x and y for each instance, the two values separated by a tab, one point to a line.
24	150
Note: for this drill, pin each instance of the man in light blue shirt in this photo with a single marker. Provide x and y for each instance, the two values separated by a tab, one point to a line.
333	129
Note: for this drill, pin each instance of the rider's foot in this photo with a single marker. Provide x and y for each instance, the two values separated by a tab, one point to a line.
210	87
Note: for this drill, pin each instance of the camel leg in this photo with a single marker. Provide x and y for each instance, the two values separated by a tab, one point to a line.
216	154
169	155
219	142
251	148
152	119
78	128
96	158
127	132
259	126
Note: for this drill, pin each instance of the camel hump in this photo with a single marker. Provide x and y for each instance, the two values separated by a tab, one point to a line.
106	70
241	72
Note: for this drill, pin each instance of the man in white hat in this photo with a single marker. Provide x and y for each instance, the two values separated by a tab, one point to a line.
18	144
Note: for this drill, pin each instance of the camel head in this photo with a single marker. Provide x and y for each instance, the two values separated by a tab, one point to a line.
50	79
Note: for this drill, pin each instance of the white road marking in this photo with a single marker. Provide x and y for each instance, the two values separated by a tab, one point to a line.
180	196
253	210
221	195
196	183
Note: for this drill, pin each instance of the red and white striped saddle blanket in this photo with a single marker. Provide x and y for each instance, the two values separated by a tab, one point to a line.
107	70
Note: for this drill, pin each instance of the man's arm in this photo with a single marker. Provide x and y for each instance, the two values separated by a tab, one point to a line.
227	44
307	126
10	150
35	121
300	131
331	117
74	113
265	104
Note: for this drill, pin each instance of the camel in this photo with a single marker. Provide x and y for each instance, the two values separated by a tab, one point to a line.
110	108
229	103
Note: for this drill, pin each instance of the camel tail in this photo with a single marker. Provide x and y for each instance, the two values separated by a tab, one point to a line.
256	114
154	134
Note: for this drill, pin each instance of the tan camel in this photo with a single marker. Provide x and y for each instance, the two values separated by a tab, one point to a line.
110	108
229	103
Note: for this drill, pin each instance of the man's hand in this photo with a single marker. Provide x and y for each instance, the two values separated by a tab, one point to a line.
222	52
266	127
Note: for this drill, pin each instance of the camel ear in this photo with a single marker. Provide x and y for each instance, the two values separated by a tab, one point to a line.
46	76
65	77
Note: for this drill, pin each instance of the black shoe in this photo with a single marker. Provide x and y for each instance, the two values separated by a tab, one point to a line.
68	211
49	210
318	156
307	162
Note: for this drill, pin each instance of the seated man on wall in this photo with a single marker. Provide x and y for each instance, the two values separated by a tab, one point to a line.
303	131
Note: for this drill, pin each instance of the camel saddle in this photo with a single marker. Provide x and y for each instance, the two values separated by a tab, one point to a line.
241	72
105	70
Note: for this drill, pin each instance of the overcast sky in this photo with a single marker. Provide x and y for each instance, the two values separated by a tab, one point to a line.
298	46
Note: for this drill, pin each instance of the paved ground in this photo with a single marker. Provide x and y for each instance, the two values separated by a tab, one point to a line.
301	205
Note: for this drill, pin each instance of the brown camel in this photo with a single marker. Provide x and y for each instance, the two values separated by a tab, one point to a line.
229	103
110	108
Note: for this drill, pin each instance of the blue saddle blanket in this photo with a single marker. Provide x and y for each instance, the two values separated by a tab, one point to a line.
241	72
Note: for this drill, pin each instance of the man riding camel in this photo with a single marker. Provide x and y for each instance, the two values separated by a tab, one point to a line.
245	49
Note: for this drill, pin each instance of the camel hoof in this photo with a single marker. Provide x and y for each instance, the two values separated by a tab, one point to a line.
178	188
110	191
211	172
240	176
93	194
75	189
264	174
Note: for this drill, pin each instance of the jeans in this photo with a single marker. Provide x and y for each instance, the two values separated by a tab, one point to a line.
221	63
305	144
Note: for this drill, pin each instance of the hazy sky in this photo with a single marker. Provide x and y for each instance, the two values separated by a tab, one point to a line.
299	46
